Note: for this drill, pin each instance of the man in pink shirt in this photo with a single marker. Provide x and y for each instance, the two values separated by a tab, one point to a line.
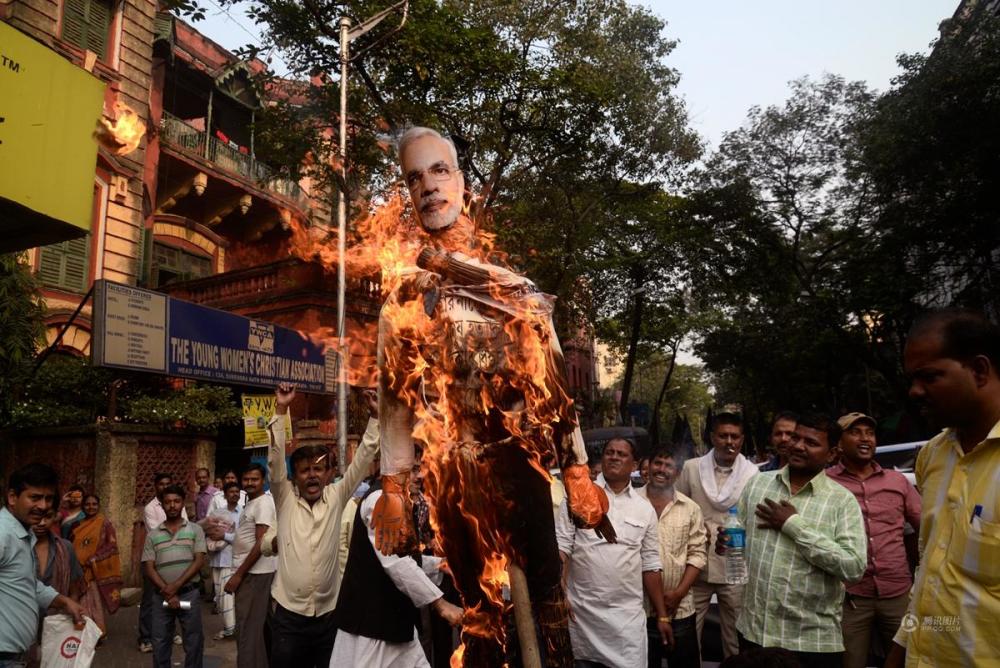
887	501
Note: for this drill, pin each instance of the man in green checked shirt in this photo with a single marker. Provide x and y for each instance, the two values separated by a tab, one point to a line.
805	538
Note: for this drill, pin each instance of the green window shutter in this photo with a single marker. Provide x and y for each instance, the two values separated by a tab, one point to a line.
86	24
75	22
64	265
145	255
99	22
50	263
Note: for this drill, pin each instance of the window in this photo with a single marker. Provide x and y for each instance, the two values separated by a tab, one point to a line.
86	24
171	265
64	265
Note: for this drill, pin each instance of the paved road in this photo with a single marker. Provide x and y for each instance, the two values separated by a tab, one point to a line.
120	649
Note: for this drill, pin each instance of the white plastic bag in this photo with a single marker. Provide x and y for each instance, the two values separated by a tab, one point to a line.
65	646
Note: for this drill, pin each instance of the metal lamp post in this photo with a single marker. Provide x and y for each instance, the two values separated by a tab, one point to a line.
348	35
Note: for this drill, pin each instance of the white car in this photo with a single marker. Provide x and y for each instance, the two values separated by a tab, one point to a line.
900	457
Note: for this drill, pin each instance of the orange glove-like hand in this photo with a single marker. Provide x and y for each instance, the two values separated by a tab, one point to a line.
588	504
392	515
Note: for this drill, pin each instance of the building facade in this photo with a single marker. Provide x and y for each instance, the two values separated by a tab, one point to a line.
190	211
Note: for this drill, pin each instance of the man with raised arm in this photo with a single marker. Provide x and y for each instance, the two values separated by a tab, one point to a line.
309	510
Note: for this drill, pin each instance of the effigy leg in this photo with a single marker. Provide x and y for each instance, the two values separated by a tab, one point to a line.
531	524
466	516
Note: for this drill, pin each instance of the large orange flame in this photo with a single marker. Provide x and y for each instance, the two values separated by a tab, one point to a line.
422	373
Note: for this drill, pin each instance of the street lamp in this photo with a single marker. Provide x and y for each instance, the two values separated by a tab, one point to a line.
348	35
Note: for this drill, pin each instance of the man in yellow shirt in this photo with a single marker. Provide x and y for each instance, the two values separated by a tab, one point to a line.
953	360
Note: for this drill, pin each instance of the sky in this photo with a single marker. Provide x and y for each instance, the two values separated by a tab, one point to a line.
733	54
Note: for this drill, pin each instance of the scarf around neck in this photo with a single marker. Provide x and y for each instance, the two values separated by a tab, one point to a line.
724	498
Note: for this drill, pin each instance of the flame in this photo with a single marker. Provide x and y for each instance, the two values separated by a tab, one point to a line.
456	656
520	361
123	133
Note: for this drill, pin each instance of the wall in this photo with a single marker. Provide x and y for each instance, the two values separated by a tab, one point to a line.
115	461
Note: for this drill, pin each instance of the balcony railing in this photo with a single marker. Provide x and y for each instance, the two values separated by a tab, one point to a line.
192	140
283	282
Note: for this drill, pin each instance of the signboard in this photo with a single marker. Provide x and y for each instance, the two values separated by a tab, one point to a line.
148	331
49	109
257	410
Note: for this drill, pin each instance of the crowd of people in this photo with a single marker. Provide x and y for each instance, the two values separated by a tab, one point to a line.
831	543
831	537
55	554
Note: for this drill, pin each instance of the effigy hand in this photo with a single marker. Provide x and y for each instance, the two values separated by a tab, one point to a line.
588	504
605	530
392	516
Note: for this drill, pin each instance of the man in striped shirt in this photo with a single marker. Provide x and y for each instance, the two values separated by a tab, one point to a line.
952	358
805	536
172	559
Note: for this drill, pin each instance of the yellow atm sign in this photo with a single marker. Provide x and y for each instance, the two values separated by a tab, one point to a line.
49	109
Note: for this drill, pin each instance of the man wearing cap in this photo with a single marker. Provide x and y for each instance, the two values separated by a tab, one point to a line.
888	502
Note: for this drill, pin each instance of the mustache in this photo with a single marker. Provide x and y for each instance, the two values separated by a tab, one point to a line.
431	201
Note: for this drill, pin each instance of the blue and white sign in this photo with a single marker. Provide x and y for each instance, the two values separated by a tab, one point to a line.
148	331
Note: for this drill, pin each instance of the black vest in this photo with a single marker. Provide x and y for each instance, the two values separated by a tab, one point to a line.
369	604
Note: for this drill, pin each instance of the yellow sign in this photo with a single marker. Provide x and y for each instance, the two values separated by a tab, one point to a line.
49	109
257	410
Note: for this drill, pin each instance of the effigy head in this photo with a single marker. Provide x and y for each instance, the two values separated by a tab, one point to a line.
433	179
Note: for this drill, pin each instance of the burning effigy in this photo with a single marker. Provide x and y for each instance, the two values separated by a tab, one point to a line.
470	372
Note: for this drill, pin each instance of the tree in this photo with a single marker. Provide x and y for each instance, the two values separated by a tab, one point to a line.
777	212
930	150
686	396
22	314
557	109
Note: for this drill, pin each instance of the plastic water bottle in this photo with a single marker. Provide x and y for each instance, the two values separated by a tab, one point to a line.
736	535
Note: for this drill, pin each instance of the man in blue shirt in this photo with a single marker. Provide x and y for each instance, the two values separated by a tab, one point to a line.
31	492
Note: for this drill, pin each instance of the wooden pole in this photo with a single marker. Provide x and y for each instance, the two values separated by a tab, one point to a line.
524	621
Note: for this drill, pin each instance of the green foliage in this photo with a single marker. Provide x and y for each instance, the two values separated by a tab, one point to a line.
778	216
204	408
931	152
557	109
65	390
23	327
69	391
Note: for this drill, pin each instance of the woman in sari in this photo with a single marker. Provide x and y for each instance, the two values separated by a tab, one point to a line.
97	550
70	511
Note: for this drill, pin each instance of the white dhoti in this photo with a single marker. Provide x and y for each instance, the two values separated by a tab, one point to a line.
353	650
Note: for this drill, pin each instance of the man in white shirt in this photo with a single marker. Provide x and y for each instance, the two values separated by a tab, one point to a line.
153	516
218	501
222	533
251	583
606	581
309	512
715	483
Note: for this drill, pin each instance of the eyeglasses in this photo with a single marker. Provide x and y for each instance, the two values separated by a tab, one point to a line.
440	172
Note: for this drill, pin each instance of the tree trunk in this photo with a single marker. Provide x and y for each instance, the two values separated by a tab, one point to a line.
633	346
654	427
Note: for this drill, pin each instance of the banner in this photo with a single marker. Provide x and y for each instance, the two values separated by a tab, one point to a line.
149	331
257	410
49	109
